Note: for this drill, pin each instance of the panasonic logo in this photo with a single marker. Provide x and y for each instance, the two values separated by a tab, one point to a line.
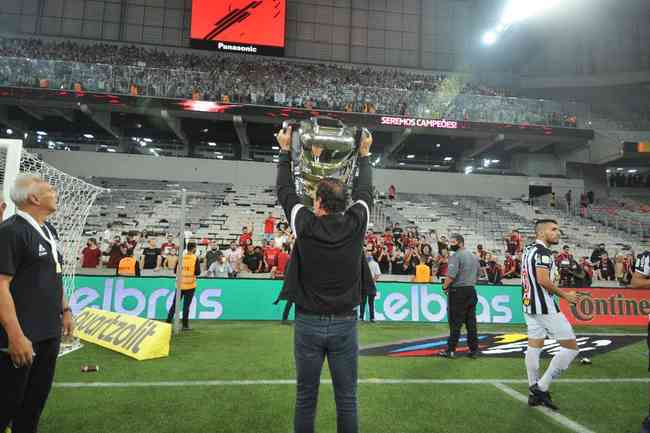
240	48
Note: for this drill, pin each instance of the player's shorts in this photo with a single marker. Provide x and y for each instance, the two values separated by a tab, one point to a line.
555	326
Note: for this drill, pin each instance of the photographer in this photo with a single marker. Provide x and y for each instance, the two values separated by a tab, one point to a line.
572	273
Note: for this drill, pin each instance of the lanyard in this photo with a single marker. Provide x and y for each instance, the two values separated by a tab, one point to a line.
49	238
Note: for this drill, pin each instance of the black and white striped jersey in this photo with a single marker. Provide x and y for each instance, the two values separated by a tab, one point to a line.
535	298
643	264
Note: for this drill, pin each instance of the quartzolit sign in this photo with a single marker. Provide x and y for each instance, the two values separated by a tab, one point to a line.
133	336
620	307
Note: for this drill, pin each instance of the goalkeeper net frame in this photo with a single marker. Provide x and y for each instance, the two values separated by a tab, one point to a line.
76	197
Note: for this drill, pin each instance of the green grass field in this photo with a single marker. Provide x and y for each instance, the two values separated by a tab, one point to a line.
236	351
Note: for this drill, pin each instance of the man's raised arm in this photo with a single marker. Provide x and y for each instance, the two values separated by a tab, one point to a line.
362	189
284	183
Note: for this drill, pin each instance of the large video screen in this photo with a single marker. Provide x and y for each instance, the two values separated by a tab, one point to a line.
239	26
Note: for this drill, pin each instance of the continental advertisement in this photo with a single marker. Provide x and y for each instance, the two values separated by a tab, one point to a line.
250	299
609	307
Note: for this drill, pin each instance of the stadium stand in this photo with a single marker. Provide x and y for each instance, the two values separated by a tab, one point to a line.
217	212
152	72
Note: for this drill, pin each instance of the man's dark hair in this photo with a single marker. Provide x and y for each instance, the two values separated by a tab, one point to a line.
191	246
539	223
333	195
458	238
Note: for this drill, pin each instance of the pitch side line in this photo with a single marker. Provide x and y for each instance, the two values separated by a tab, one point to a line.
329	382
558	418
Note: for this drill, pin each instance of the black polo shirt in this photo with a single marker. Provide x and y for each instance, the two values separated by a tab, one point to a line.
36	287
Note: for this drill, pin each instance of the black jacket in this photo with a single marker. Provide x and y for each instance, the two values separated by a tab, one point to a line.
328	271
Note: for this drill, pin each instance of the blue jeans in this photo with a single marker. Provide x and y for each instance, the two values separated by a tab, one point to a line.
314	338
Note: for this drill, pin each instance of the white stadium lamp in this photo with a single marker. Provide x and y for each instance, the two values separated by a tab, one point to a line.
489	38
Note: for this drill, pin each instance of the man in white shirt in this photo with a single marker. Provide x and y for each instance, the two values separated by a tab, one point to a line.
220	268
234	256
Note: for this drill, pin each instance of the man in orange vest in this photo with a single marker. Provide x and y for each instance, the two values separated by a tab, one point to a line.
422	273
190	269
128	266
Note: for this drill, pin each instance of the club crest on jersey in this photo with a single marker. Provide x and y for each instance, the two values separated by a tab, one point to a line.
546	260
502	346
41	251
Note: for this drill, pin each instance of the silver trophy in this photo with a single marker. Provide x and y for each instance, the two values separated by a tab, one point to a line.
323	147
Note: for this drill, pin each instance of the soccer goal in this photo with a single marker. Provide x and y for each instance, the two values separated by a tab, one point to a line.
76	197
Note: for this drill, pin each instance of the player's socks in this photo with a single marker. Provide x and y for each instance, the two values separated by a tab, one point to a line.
559	363
532	364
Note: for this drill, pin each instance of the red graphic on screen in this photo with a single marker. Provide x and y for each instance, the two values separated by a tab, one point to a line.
256	22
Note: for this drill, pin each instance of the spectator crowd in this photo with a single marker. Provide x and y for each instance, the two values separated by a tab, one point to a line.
402	252
225	78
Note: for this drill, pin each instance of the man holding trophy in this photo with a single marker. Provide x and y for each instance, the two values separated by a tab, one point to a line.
325	276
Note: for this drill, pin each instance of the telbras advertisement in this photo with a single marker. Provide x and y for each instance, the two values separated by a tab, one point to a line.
248	299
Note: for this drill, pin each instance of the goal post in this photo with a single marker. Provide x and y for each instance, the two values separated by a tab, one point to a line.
10	151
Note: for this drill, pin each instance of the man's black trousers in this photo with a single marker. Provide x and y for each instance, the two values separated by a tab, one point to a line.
186	296
462	310
369	300
287	310
24	391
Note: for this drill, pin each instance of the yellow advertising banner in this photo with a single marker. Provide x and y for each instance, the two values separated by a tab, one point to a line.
133	336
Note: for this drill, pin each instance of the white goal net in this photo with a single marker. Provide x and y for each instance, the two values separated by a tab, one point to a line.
76	197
